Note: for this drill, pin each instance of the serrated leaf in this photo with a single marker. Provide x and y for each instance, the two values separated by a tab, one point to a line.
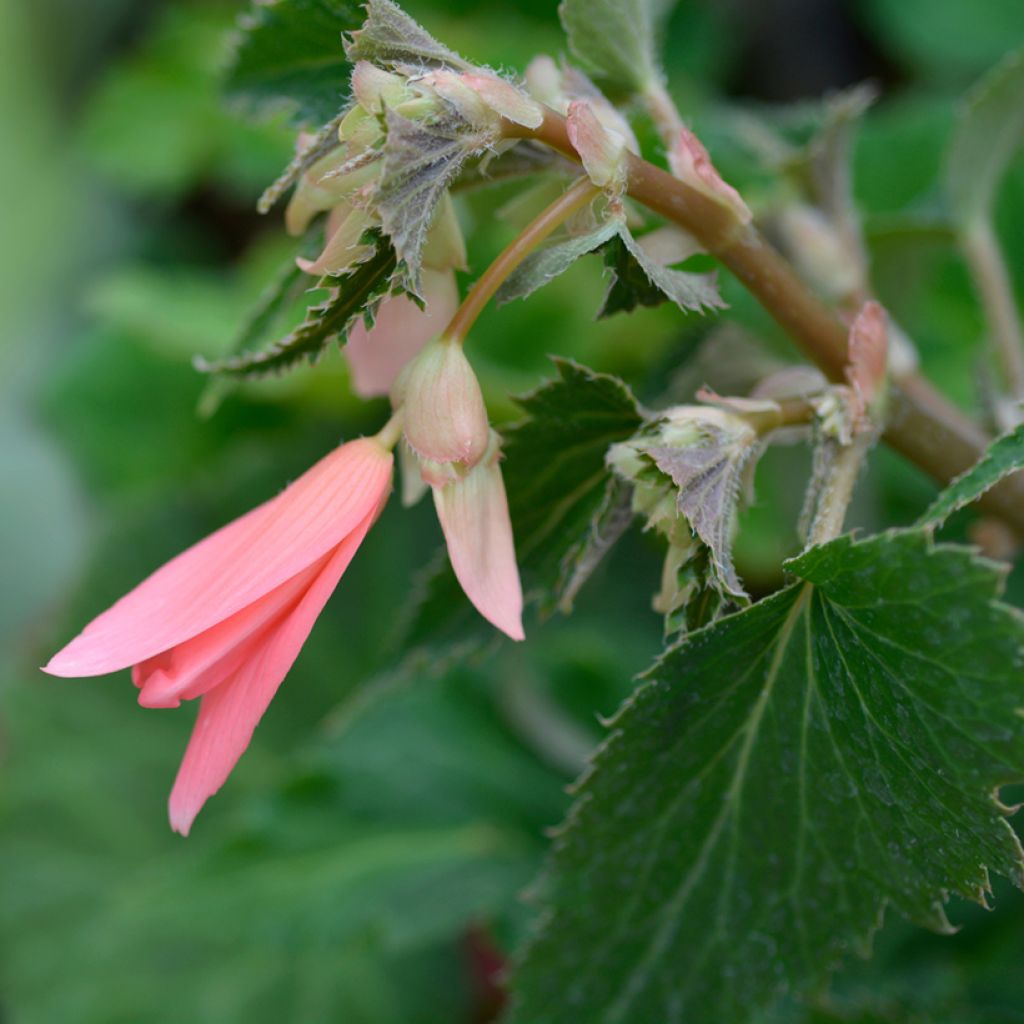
290	55
1004	456
421	159
354	295
544	265
615	39
390	36
989	132
781	776
557	482
636	280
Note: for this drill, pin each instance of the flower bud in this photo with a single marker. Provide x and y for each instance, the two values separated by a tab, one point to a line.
376	89
445	247
868	361
326	183
483	99
602	149
691	164
544	82
346	226
473	512
445	419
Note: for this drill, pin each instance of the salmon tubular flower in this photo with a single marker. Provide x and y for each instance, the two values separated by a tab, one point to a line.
225	620
473	511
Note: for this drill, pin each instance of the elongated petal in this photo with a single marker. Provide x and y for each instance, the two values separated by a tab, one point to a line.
689	161
376	355
197	665
474	516
231	711
602	149
235	566
445	416
343	248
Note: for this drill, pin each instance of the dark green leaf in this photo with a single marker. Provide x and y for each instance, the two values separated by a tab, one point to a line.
356	294
989	132
638	281
390	36
778	779
544	265
1004	456
290	55
615	39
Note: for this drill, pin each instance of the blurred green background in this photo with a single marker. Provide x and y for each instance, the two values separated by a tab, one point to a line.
364	863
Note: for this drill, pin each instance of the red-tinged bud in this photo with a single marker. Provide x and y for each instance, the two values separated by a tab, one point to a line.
602	149
445	419
506	99
691	164
346	225
473	511
868	359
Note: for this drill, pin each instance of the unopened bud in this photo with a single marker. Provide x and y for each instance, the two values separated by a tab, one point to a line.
868	360
445	247
603	150
346	226
445	419
690	163
483	99
376	89
326	183
544	82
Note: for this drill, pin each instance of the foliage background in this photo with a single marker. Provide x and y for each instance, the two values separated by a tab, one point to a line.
377	834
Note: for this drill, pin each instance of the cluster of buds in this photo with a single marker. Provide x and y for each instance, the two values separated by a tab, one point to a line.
688	472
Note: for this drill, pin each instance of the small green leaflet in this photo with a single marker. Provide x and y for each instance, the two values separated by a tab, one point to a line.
615	39
1004	456
544	265
290	55
990	130
356	294
560	499
778	778
390	36
639	281
421	160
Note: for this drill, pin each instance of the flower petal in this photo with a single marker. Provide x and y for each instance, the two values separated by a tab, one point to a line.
474	516
192	668
237	565
229	713
376	355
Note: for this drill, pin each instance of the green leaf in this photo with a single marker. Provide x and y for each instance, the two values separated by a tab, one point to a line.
390	36
421	160
781	776
355	294
989	132
290	56
615	39
1003	457
638	281
557	486
544	265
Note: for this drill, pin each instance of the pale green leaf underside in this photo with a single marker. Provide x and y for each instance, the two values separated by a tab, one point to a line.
779	778
615	39
1004	456
989	132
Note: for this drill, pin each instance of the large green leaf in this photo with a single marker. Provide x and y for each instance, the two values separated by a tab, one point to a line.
1004	456
778	779
989	132
290	55
615	39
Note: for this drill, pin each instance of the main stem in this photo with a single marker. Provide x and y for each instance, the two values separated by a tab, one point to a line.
571	201
923	425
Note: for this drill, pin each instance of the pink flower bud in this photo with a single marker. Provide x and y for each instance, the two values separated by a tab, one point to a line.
868	358
473	511
690	163
445	419
505	99
602	149
346	225
377	355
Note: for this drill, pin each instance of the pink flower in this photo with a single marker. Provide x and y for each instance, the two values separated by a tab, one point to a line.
226	619
376	355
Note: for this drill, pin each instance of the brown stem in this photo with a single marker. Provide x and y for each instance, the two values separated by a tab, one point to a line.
924	426
515	252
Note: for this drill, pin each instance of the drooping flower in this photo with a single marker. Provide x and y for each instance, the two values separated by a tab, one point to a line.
473	511
225	620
